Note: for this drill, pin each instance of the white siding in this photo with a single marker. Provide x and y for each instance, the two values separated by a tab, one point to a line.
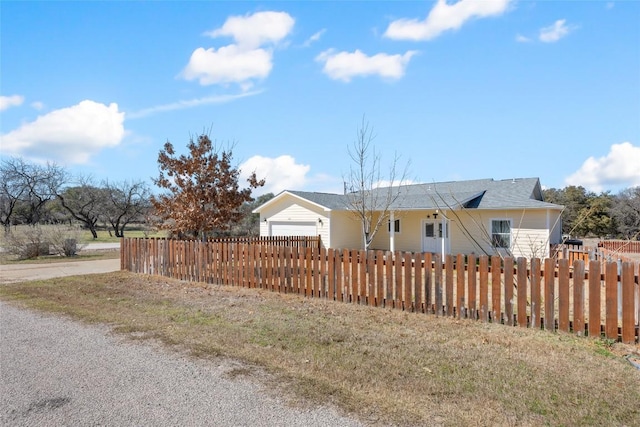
345	231
529	234
295	211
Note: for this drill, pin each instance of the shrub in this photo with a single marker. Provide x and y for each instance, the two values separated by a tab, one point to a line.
29	242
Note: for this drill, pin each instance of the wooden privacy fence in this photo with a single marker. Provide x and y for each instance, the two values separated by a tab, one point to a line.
624	246
552	294
590	253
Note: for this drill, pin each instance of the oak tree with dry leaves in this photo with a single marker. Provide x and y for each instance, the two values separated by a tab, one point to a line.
203	195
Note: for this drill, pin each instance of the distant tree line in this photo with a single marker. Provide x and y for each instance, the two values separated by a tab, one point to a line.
603	215
35	194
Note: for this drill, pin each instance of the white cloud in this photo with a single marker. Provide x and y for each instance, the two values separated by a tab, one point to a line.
190	103
444	17
619	168
251	31
554	32
522	39
67	135
228	64
346	65
281	173
7	102
37	105
314	38
249	58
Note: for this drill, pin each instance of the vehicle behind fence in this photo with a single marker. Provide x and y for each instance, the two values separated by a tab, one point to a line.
583	297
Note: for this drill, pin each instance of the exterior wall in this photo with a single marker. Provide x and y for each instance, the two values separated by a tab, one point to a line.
291	209
530	236
345	231
410	236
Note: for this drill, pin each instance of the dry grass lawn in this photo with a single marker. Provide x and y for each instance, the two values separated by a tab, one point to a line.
383	366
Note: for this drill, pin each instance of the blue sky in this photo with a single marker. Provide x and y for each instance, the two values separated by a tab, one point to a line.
464	90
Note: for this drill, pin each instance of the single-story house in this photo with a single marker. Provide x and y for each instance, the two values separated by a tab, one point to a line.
482	216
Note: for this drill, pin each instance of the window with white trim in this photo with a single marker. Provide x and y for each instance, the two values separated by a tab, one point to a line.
396	226
501	233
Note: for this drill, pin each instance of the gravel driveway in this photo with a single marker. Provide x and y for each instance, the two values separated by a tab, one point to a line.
56	372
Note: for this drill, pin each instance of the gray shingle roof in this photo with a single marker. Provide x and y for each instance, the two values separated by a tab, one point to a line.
519	193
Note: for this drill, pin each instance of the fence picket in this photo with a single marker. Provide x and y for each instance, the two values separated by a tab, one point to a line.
437	283
549	294
406	283
563	295
397	284
418	269
362	277
483	270
460	300
628	315
611	292
448	266
578	297
508	290
380	278
371	278
472	284
535	293
594	300
428	283
496	282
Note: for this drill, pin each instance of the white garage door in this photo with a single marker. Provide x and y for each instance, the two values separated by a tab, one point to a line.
293	229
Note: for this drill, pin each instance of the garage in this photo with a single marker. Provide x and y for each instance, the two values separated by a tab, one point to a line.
293	229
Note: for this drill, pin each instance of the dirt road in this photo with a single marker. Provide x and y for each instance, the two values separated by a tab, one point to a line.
54	371
21	272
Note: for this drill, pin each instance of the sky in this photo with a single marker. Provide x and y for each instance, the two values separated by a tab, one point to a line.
457	90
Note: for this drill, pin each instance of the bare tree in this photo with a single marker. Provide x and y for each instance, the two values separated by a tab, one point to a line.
370	195
11	191
127	202
26	188
85	203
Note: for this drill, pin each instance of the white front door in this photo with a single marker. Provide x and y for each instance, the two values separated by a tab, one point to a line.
432	235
